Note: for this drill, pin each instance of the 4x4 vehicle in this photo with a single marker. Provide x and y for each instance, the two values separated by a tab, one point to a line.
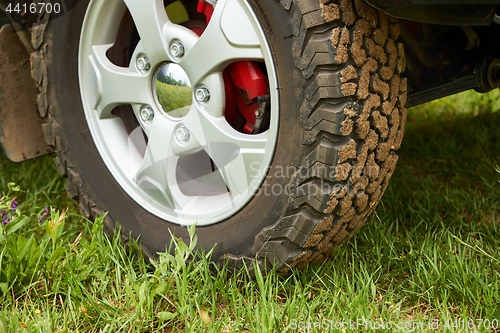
271	124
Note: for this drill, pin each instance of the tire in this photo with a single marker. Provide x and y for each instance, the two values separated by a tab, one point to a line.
3	19
289	194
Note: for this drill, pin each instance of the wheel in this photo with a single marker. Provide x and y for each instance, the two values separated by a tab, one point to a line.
272	125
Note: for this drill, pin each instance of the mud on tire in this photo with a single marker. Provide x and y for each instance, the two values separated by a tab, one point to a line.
341	119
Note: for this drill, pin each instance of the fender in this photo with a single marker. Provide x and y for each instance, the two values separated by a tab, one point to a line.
21	134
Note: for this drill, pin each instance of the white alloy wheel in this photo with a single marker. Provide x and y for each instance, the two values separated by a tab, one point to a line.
184	164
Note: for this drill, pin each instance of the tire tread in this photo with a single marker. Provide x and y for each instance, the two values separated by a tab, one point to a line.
353	118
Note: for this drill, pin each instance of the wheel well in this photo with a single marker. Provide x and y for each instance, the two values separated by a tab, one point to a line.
445	12
439	55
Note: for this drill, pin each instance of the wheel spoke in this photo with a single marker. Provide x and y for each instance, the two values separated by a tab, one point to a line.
150	19
115	85
230	35
155	29
240	172
237	156
157	171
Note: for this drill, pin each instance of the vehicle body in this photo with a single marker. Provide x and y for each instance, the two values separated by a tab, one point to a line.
286	119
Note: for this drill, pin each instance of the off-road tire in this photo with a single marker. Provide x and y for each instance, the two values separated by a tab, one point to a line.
342	118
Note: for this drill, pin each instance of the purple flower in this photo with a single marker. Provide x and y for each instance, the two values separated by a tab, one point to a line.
44	215
5	217
6	214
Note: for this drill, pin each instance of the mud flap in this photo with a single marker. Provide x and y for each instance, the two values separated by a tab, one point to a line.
21	133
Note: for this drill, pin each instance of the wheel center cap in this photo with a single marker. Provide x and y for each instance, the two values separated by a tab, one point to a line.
173	90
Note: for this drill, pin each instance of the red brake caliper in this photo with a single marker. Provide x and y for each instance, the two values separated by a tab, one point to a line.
246	88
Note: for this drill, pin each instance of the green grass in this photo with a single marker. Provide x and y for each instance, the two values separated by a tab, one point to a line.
430	255
173	98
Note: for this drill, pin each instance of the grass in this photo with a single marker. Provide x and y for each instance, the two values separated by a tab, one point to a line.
172	98
428	261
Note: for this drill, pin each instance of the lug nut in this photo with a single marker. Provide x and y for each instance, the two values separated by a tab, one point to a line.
143	63
147	113
177	49
182	134
202	95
